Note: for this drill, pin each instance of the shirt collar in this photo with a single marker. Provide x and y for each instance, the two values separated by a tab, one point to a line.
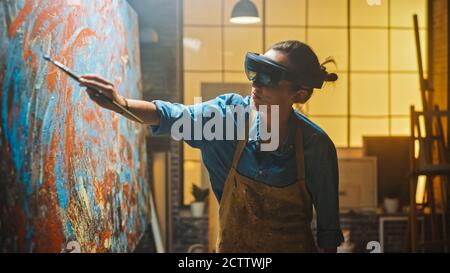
255	137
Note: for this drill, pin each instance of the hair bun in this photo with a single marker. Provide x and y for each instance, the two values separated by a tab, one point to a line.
330	77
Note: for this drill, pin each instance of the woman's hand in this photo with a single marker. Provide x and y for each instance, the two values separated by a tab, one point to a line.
95	84
146	111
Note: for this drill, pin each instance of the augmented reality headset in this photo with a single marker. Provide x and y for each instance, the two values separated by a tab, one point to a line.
266	72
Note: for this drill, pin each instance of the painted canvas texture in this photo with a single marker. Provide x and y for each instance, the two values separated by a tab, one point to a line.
70	172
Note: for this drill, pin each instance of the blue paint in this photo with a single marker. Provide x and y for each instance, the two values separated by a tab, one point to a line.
61	190
69	228
31	154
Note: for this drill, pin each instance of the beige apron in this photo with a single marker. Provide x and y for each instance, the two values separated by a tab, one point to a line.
256	217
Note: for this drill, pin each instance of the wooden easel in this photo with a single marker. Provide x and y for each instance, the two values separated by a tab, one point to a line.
430	137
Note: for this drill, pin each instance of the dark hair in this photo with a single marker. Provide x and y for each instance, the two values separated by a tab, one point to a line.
304	61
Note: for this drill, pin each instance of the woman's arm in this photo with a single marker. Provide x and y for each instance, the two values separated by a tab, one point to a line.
145	110
324	188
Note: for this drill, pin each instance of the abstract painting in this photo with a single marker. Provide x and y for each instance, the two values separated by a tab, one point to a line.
70	171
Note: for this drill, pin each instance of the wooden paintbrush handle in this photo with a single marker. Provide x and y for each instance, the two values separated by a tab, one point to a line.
124	110
128	112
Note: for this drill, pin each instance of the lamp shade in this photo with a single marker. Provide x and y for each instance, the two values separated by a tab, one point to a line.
245	12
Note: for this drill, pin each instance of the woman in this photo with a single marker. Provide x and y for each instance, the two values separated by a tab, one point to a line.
266	197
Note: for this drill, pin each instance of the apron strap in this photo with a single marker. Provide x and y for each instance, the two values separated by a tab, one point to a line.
299	149
300	156
241	146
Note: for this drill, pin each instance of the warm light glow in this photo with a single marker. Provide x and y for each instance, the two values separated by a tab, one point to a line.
374	2
420	191
189	165
245	20
416	149
423	133
192	43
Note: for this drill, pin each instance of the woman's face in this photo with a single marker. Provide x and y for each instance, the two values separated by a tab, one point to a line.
284	94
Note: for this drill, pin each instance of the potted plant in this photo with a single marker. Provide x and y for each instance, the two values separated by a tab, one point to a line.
198	205
392	199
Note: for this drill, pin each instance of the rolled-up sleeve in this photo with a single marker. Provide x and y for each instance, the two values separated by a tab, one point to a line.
168	113
171	112
324	188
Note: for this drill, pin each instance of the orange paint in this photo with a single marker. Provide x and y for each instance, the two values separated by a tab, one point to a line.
80	40
94	117
126	190
100	193
103	236
70	141
44	16
60	29
18	21
115	124
48	30
49	235
95	141
103	8
89	115
66	57
48	15
122	142
129	153
52	78
131	238
26	47
109	177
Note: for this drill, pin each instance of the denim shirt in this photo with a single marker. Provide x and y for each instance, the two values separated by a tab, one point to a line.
277	168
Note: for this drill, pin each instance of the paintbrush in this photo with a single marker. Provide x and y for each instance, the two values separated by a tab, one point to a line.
99	93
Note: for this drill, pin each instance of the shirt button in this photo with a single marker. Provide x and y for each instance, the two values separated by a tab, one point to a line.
260	172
